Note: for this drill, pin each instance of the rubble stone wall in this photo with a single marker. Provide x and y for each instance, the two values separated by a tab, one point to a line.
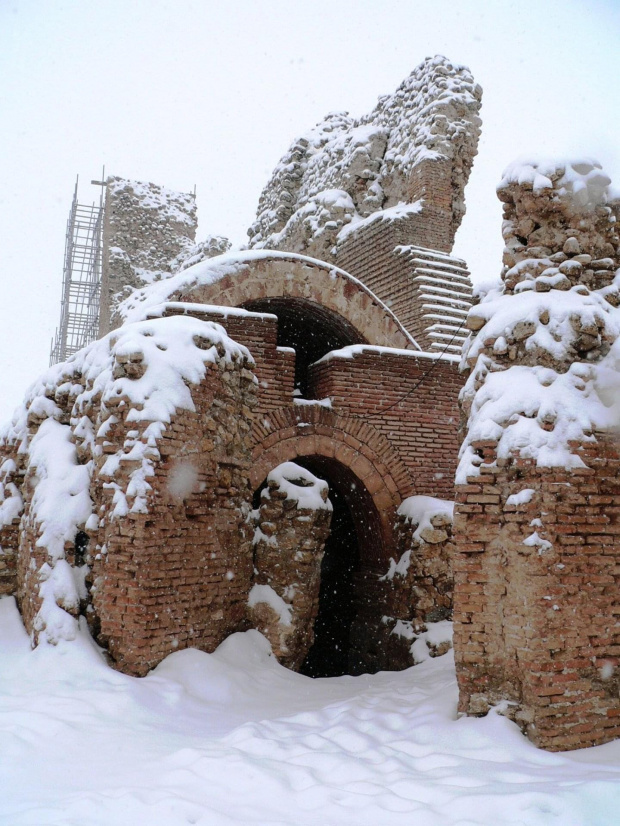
423	592
288	550
11	507
145	227
417	590
418	143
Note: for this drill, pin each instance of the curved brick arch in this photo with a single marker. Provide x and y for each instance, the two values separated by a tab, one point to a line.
296	277
335	440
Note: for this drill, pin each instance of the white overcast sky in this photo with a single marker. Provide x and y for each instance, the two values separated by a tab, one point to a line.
211	92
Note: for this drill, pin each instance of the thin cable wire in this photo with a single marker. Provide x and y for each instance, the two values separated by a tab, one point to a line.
423	377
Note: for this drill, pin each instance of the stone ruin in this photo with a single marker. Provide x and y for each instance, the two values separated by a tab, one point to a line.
268	438
537	525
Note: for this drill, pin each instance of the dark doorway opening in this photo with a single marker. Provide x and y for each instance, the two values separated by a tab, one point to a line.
350	609
354	555
311	330
331	654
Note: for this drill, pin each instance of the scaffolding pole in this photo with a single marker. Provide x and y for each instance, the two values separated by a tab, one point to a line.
81	280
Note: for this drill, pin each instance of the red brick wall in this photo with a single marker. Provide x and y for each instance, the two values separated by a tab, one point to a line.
275	367
371	255
538	625
179	575
412	401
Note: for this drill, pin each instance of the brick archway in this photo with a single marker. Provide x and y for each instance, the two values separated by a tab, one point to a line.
290	276
363	471
332	440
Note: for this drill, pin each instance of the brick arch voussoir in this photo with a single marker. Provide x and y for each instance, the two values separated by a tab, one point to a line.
298	278
313	430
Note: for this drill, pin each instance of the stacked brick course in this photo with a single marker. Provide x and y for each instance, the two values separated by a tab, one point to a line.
179	575
409	398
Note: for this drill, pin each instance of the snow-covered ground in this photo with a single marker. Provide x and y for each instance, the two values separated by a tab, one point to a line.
232	737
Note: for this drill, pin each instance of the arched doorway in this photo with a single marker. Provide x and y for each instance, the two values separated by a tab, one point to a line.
309	328
348	612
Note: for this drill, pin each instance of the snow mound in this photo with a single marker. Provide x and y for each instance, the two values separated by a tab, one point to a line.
234	738
303	487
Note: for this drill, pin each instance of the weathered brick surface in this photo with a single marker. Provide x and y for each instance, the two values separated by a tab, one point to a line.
382	256
344	444
297	279
180	574
536	584
412	401
538	624
275	366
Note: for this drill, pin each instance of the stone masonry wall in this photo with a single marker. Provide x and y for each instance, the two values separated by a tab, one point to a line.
145	227
288	549
418	587
150	540
11	507
418	143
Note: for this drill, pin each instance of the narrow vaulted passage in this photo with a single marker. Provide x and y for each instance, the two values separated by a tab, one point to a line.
311	330
330	655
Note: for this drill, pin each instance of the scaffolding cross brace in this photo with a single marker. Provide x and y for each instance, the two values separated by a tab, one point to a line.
81	281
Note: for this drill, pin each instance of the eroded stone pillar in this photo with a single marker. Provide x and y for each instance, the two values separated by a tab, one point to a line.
292	525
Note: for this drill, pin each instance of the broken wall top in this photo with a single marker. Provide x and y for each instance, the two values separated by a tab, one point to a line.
149	233
346	169
544	353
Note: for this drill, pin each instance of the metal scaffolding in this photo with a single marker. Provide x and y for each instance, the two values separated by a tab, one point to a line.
81	280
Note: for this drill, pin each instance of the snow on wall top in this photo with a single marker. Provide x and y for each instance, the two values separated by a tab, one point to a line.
149	233
346	168
299	485
544	352
146	300
140	374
